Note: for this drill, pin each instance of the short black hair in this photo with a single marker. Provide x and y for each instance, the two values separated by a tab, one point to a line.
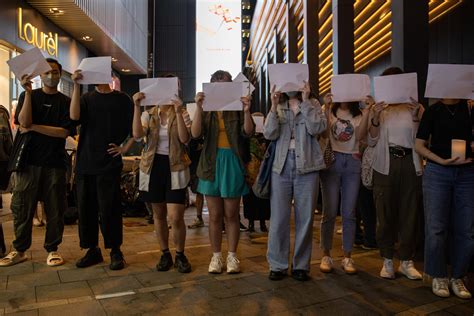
221	75
54	61
392	71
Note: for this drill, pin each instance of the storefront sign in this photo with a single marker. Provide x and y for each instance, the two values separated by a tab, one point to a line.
30	34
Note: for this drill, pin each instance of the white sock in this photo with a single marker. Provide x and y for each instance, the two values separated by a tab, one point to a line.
217	254
231	254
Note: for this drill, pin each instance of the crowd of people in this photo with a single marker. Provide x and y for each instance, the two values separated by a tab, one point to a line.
316	149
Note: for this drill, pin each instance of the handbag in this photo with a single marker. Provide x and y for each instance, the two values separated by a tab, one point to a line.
261	187
18	157
366	169
328	155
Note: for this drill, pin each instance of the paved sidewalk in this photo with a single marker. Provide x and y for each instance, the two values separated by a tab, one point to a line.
33	288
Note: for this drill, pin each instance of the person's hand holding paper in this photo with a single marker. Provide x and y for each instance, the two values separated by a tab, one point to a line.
96	70
350	87
31	63
395	89
223	96
159	91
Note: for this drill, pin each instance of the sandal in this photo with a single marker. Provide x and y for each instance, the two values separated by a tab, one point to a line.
13	258
54	259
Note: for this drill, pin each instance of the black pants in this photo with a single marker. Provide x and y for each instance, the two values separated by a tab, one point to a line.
366	210
98	198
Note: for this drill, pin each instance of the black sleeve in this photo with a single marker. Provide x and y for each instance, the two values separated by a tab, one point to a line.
127	117
426	125
65	120
21	99
84	113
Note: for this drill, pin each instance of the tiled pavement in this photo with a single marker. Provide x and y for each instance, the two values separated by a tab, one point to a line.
33	288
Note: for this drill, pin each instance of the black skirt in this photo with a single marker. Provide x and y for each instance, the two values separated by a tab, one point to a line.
159	188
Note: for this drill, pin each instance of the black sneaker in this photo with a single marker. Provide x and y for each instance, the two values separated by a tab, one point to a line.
93	256
182	264
277	275
116	260
300	275
166	262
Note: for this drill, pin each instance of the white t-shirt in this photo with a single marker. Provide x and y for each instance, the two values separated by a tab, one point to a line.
342	131
163	146
400	131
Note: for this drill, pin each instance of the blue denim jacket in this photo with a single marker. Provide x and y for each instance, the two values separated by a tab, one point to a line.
308	122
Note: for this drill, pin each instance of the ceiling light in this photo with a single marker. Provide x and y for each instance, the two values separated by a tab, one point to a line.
87	38
56	11
125	70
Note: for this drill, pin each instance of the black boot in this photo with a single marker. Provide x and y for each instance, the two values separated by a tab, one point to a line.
116	260
92	257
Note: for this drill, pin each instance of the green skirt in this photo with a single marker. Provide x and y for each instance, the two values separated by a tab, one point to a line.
229	179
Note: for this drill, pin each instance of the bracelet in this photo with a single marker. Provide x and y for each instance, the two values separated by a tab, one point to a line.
373	124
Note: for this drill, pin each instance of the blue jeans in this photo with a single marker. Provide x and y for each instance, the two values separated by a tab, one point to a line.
340	189
449	211
303	189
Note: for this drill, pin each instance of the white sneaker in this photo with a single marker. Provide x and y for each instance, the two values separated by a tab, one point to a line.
216	264
233	264
387	271
326	264
348	266
459	289
440	287
407	268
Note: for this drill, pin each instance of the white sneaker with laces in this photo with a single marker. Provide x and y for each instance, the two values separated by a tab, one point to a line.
457	285
233	264
387	271
440	287
407	268
348	266
216	264
326	264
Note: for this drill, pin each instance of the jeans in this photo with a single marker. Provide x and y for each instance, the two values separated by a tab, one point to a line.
340	189
98	198
449	206
303	189
33	184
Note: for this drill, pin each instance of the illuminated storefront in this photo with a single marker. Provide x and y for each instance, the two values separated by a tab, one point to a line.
22	28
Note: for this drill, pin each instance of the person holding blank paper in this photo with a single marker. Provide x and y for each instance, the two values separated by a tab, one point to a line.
294	122
397	181
105	116
340	182
221	171
448	193
164	173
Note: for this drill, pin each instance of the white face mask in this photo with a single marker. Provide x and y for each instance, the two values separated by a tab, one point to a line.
50	80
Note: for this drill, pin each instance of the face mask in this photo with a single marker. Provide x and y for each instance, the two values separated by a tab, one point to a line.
292	94
50	80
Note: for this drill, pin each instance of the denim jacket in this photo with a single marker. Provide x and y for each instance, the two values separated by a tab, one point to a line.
308	122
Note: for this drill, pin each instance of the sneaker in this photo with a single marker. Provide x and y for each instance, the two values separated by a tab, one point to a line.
326	264
182	264
117	262
440	287
196	224
243	228
387	271
233	264
407	268
93	256
216	264
166	262
348	266
459	289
